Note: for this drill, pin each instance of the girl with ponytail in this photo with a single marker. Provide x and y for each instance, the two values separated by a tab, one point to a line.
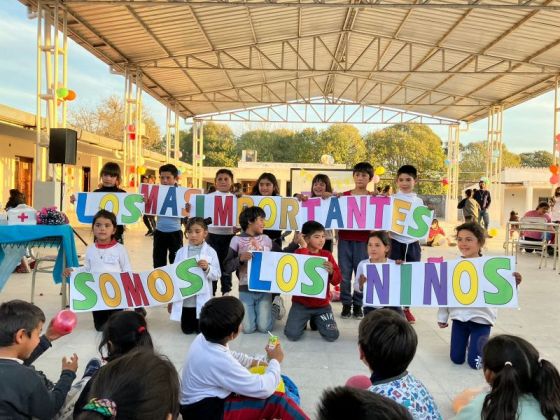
523	385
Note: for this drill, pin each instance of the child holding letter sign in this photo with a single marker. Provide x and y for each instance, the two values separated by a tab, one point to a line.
317	311
471	326
105	255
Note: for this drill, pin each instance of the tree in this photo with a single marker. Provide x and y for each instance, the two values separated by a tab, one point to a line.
472	163
409	144
219	145
538	159
343	142
107	120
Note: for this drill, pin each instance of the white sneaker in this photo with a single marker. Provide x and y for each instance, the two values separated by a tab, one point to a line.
278	307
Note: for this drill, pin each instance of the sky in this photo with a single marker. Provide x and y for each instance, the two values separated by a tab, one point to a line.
527	127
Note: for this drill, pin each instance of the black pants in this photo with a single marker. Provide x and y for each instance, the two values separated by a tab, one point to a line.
211	408
166	243
328	245
149	222
406	252
220	243
189	323
101	317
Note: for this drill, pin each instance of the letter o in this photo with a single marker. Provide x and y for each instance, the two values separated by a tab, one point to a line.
271	204
282	284
153	277
110	198
462	297
112	302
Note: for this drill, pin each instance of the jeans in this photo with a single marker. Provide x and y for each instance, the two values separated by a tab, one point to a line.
350	253
472	335
258	311
322	317
484	216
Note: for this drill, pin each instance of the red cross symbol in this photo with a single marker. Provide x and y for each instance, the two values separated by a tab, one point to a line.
22	217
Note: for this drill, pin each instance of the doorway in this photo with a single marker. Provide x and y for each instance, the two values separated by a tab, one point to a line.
86	177
24	177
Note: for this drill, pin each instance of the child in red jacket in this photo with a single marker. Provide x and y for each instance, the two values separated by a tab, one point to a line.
316	310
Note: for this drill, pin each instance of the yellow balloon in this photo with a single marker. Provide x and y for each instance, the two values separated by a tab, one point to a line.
380	170
141	170
493	232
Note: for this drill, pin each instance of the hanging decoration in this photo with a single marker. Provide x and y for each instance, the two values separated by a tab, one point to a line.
380	170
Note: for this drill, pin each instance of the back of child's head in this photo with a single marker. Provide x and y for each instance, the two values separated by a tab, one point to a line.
387	341
169	167
112	169
359	404
364	167
517	369
325	180
513	216
408	170
199	221
475	228
18	315
220	317
140	385
269	177
123	332
310	227
224	171
468	193
250	215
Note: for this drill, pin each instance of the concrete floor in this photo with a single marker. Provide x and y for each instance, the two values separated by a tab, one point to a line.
313	363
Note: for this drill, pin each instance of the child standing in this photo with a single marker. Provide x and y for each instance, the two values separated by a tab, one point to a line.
316	310
387	344
378	247
267	185
197	231
471	326
219	238
105	255
524	386
351	247
403	248
24	393
168	236
257	305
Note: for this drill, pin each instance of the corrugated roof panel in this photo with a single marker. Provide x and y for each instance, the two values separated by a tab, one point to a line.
225	27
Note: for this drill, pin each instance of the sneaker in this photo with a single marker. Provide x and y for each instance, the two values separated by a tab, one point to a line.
92	367
278	308
358	313
409	317
346	312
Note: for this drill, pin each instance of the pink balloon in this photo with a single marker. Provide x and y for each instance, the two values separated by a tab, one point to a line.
65	321
376	179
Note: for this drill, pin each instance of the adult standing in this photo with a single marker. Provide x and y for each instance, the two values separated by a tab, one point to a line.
555	205
482	196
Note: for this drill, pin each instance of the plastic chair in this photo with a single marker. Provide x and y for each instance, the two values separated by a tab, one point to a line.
535	224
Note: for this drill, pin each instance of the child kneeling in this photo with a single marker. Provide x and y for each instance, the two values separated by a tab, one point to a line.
316	310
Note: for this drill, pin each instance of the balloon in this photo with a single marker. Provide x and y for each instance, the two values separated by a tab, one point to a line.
142	170
131	169
553	168
65	321
61	93
70	96
557	137
445	181
376	179
447	162
554	179
493	232
380	170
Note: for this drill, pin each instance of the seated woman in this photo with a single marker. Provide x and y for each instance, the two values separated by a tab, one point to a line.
540	212
437	237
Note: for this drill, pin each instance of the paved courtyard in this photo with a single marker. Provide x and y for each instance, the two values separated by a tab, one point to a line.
313	363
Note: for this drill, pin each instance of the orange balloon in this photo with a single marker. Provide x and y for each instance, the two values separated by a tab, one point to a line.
71	96
553	168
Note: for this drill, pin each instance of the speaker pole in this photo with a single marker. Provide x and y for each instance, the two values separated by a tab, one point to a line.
61	185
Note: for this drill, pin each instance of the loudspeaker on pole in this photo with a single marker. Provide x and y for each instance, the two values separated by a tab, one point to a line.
63	146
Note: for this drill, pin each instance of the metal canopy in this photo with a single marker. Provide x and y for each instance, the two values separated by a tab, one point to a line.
450	59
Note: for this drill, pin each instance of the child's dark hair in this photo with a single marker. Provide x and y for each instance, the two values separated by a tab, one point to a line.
111	169
220	317
543	205
518	370
249	215
224	171
142	385
408	170
388	342
386	189
18	315
477	230
436	221
359	404
363	167
324	179
468	192
310	227
203	223
383	236
123	332
169	167
270	177
106	214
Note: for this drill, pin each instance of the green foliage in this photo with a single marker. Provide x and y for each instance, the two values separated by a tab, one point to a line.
472	164
343	142
219	145
538	159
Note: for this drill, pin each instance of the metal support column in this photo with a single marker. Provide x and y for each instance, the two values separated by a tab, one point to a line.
494	160
556	133
452	172
198	156
133	128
